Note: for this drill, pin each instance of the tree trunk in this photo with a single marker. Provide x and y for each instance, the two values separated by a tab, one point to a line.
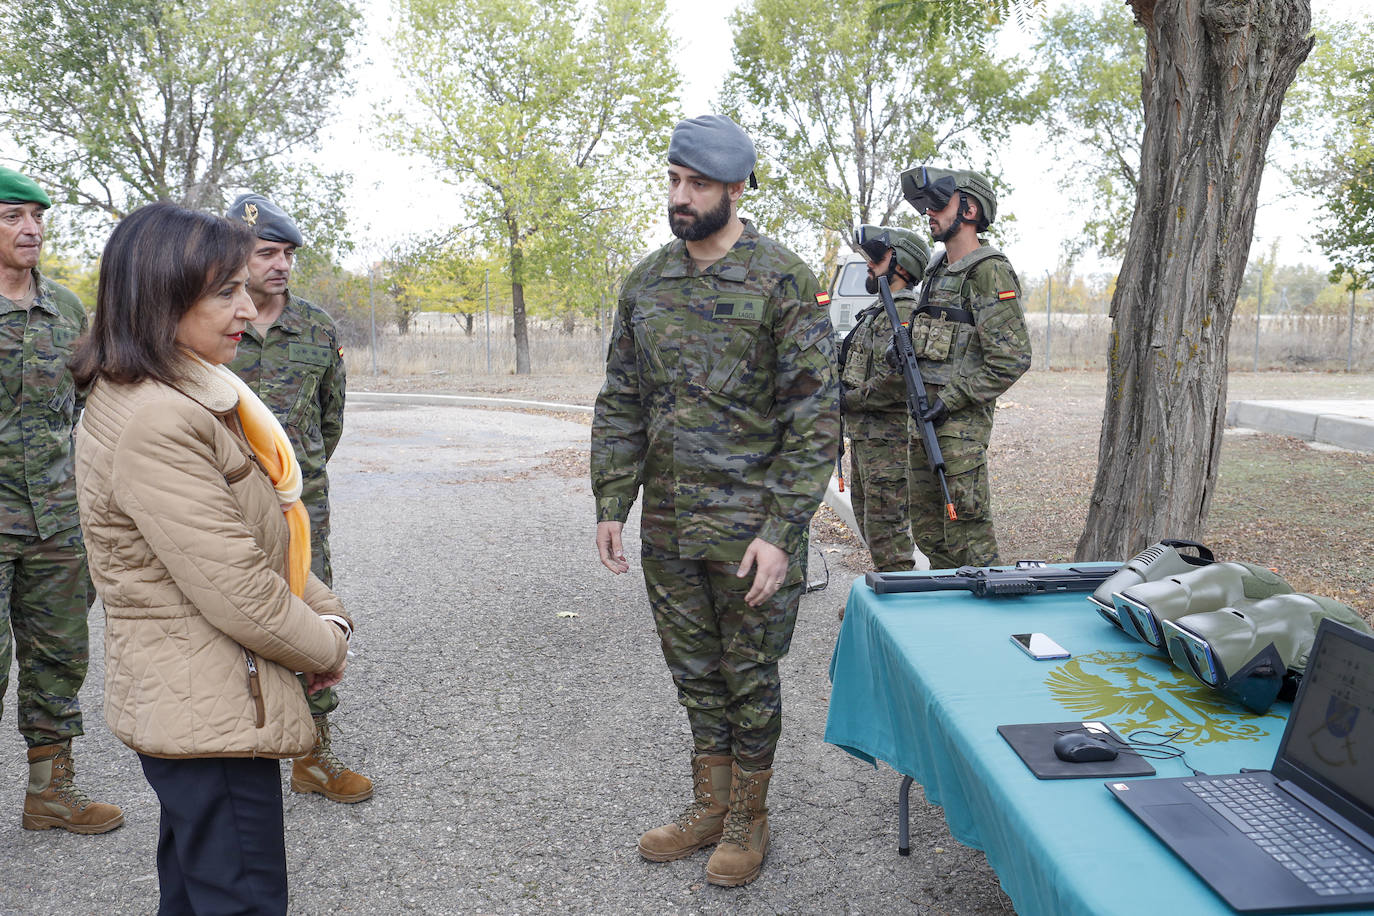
1215	75
517	310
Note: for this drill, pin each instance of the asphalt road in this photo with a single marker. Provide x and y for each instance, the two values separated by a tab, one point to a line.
517	751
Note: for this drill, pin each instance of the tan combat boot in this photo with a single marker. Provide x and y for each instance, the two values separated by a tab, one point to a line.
53	800
701	823
739	857
322	771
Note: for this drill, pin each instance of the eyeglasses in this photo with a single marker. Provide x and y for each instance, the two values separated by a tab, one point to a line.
1192	654
931	195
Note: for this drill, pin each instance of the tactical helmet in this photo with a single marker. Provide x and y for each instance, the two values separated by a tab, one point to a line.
927	188
909	249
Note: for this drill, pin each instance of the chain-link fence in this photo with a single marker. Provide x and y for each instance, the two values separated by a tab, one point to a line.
440	343
1325	342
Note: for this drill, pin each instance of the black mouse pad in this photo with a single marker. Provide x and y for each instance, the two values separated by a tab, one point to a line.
1034	744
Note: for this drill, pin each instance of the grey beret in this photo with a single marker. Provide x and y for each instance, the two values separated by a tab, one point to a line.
266	219
716	147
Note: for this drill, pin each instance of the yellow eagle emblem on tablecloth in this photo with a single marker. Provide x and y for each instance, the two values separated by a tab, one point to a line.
1137	690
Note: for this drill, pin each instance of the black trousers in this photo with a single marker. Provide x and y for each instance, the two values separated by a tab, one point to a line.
221	849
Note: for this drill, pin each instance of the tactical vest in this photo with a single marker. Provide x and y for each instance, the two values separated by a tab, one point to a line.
942	326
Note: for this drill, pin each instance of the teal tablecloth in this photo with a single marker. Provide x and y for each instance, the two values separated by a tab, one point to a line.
921	681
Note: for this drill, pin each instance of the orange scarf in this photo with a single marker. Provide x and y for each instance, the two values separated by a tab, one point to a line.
268	441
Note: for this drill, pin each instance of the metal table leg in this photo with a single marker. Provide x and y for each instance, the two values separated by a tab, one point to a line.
903	821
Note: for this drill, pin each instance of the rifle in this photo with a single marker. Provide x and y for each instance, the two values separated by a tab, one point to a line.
1028	577
916	400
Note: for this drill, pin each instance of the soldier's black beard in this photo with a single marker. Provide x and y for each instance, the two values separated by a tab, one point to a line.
705	225
949	233
871	282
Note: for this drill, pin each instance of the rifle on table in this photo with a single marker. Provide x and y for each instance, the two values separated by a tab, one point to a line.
1028	577
916	400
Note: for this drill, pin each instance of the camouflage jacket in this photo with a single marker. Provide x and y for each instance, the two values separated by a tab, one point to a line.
720	399
972	362
297	369
874	402
38	410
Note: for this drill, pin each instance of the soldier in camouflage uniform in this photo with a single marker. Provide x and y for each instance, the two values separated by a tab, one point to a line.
720	400
291	358
873	399
971	344
43	580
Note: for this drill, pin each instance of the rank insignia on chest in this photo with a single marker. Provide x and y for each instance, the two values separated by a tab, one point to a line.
822	298
1006	294
739	309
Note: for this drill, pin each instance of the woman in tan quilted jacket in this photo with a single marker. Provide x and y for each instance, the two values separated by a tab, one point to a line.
187	503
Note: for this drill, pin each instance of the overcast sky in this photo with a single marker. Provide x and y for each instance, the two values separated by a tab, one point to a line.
394	196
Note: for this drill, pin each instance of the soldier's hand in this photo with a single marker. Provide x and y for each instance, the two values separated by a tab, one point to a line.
935	413
890	354
609	548
769	563
319	680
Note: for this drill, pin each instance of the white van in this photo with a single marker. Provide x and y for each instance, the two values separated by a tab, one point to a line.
847	294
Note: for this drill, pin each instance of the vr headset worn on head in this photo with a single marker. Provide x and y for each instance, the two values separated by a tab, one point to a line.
928	189
873	241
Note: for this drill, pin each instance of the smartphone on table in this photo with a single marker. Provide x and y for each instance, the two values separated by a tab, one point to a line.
1039	646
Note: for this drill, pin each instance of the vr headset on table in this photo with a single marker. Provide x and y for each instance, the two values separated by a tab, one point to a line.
1236	628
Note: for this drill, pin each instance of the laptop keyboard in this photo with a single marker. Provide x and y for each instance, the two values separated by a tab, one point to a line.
1320	857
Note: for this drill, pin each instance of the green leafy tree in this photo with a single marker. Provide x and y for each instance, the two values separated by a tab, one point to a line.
116	103
543	112
439	274
1091	58
1216	73
1329	118
841	101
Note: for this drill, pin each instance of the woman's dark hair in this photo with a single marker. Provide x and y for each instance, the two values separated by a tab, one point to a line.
159	260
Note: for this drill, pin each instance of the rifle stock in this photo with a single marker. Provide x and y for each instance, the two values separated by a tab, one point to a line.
917	401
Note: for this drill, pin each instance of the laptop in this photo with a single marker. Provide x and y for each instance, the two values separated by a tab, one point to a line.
1301	835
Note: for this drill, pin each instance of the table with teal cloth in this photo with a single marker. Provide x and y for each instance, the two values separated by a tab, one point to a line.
921	681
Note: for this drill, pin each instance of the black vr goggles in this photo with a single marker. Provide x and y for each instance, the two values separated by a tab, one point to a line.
873	241
925	191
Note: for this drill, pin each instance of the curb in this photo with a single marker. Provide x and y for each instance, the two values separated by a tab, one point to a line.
455	400
1346	424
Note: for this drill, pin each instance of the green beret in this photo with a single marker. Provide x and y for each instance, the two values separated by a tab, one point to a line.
715	146
266	219
20	189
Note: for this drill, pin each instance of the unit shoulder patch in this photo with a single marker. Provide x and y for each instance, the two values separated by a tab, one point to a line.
1006	294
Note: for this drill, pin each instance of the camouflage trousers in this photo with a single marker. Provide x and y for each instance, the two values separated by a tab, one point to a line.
723	654
326	701
43	600
969	541
879	470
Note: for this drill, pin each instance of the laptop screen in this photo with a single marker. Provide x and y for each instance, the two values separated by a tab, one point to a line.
1328	745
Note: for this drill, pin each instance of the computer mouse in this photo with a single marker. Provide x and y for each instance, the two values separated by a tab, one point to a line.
1077	747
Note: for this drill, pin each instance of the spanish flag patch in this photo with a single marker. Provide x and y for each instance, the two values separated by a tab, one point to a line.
1006	294
822	298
